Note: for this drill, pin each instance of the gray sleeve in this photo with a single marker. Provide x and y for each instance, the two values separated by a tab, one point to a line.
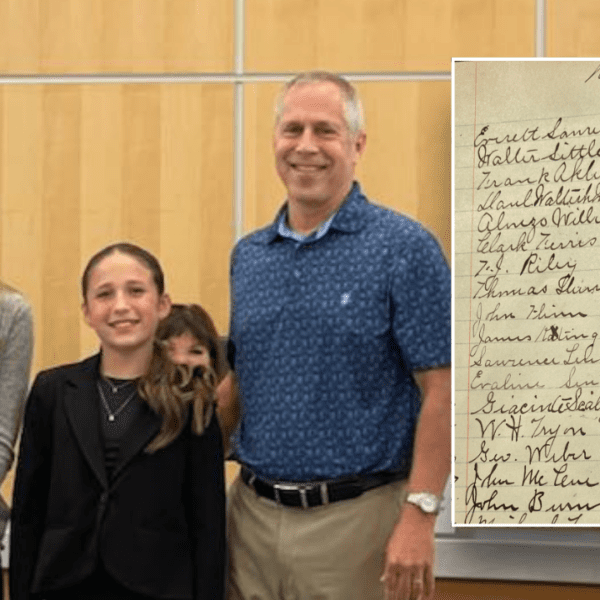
16	347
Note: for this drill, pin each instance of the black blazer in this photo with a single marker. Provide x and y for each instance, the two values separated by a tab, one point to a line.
158	528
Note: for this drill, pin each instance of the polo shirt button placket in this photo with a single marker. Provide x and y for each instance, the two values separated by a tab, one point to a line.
297	258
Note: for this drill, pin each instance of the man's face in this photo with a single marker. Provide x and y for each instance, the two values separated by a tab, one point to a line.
315	154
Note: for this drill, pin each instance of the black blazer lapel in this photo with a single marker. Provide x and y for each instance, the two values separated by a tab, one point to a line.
82	405
137	437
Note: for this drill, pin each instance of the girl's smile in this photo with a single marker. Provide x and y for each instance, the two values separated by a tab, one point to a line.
122	304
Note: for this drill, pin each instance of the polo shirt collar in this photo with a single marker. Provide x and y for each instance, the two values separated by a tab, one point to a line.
285	231
349	218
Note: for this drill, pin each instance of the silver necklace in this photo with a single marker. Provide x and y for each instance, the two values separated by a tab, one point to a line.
113	415
114	386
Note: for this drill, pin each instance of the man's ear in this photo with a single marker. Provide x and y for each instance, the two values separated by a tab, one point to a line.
360	142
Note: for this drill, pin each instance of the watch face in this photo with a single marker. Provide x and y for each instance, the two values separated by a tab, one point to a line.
428	504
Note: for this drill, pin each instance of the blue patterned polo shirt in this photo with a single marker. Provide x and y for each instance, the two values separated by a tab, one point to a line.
325	334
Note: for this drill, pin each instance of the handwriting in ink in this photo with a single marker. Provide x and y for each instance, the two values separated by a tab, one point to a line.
533	410
596	74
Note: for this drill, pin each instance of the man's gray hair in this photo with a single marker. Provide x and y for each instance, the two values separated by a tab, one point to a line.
353	111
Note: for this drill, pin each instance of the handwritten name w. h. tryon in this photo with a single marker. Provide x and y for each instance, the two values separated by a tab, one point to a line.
514	427
532	428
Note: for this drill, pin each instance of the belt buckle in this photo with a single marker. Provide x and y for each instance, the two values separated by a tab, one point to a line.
324	493
277	487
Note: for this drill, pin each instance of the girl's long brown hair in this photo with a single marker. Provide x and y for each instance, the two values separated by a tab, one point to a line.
174	391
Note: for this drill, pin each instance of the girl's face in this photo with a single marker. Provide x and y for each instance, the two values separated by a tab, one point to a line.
185	349
122	303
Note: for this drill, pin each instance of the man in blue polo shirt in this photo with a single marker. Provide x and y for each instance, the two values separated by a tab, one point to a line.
340	340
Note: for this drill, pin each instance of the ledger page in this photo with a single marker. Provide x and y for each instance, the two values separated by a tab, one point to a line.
527	292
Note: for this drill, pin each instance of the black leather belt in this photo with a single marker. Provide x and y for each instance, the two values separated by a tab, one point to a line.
317	493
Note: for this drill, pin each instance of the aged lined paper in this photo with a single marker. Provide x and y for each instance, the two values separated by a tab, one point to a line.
527	292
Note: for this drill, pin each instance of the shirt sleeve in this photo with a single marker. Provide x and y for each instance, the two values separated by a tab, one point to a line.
30	497
15	364
421	302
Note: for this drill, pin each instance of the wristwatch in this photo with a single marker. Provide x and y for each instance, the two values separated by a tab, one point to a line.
428	503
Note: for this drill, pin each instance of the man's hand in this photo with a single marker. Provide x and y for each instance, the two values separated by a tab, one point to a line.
408	572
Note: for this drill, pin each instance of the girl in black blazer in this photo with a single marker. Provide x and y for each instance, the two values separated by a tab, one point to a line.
119	491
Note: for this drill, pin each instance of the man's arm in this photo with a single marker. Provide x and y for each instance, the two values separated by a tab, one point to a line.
408	573
228	408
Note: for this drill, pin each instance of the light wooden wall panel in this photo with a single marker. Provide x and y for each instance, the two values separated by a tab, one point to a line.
263	190
142	149
406	164
573	27
20	36
60	222
71	36
197	231
434	160
102	174
83	166
380	35
21	193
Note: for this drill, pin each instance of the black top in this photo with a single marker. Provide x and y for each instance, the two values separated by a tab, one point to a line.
125	406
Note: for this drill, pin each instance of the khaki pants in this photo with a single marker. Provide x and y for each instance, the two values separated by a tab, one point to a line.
333	552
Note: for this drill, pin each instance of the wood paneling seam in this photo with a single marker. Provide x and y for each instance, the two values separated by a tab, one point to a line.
540	28
235	78
238	121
